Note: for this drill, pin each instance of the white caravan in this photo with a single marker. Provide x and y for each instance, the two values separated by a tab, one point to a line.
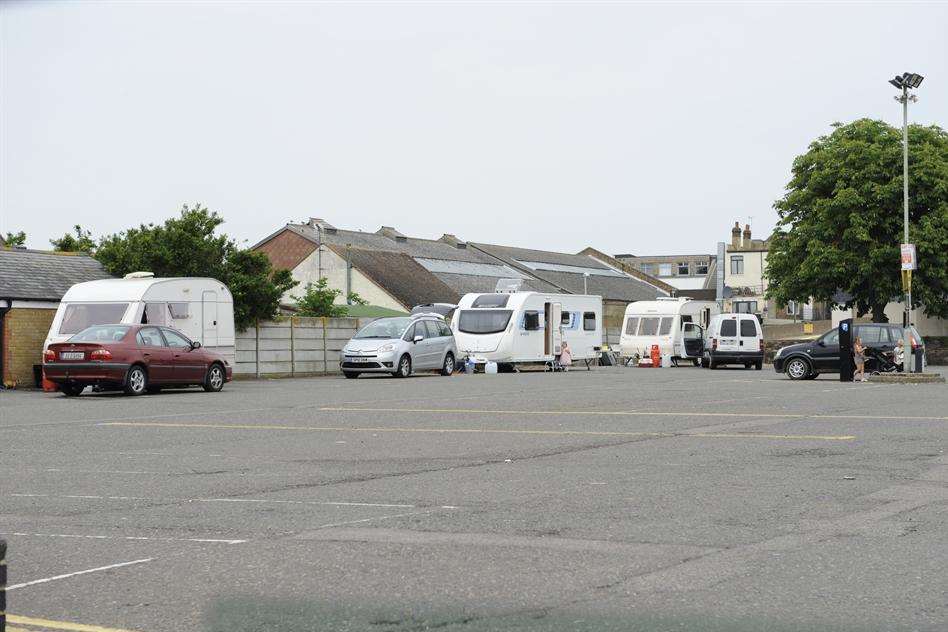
201	308
512	328
676	325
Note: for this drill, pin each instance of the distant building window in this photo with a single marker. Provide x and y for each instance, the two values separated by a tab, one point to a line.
701	268
737	264
664	269
683	268
745	307
646	268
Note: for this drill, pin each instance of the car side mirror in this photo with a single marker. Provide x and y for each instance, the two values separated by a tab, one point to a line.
195	345
418	338
821	343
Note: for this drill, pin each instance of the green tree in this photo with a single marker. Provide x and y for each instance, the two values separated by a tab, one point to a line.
840	221
80	242
320	300
188	245
14	239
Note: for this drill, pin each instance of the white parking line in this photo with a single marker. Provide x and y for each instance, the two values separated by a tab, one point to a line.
120	537
329	503
85	572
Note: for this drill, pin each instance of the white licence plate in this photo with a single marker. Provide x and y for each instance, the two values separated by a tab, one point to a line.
72	355
360	360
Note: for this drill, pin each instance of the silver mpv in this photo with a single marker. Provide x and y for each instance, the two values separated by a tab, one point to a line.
401	346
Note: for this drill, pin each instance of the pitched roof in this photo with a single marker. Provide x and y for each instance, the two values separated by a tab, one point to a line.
568	272
400	275
37	275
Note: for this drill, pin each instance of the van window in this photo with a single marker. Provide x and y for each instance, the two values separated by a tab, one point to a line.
483	321
666	326
631	325
748	328
649	326
78	316
531	320
491	300
589	321
729	327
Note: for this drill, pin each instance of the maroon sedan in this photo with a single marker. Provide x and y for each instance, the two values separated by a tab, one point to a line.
133	358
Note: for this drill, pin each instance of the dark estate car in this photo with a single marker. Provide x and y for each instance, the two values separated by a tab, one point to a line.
807	360
133	358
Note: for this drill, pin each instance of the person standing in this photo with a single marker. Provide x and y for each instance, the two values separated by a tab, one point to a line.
859	358
566	356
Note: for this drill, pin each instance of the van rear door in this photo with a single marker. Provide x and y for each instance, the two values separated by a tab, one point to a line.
749	333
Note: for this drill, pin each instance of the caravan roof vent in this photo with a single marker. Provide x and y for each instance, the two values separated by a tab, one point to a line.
139	275
508	286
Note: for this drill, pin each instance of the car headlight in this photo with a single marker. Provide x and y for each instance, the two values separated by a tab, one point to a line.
388	347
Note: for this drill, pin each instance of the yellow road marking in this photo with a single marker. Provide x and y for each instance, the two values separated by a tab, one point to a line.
622	413
581	433
56	625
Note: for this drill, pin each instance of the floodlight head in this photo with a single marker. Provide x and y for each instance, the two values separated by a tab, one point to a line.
897	82
916	80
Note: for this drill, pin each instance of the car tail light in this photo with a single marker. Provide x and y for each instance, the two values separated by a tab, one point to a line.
714	344
100	354
49	355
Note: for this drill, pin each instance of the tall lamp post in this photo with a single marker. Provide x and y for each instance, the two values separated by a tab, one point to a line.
907	81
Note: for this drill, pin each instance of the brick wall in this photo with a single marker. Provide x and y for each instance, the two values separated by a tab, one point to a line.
24	332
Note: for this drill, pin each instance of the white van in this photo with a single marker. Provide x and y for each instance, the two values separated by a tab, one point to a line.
734	339
511	328
201	308
676	325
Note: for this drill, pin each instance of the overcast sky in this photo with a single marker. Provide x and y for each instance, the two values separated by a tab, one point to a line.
642	128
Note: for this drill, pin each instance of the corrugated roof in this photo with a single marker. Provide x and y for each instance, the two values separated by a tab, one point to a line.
36	275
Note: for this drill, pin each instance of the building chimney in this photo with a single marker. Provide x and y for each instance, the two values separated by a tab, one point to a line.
391	233
448	238
736	235
747	235
320	222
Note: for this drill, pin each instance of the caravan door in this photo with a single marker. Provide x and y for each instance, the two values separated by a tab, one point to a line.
552	333
209	318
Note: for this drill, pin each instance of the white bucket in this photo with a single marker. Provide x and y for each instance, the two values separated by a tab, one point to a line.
490	367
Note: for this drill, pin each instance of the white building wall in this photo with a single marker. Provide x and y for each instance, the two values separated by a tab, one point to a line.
333	267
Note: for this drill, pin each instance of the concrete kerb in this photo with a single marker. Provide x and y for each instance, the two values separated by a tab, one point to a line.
908	378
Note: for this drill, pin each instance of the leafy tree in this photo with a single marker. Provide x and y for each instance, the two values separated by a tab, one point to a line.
80	242
14	239
320	300
841	219
188	245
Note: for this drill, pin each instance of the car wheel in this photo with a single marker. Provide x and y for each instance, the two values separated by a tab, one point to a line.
351	375
712	364
705	362
696	362
404	366
214	380
72	390
136	380
448	368
797	369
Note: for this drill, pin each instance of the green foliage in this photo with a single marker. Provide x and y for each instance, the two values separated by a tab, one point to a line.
80	242
320	300
841	219
14	239
188	246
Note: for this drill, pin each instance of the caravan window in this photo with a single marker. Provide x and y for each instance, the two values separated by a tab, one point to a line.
78	316
649	327
666	326
589	321
155	314
531	320
491	300
487	321
178	310
631	325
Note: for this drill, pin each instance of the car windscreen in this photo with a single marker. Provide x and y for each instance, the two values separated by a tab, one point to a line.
384	328
101	333
483	321
79	316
